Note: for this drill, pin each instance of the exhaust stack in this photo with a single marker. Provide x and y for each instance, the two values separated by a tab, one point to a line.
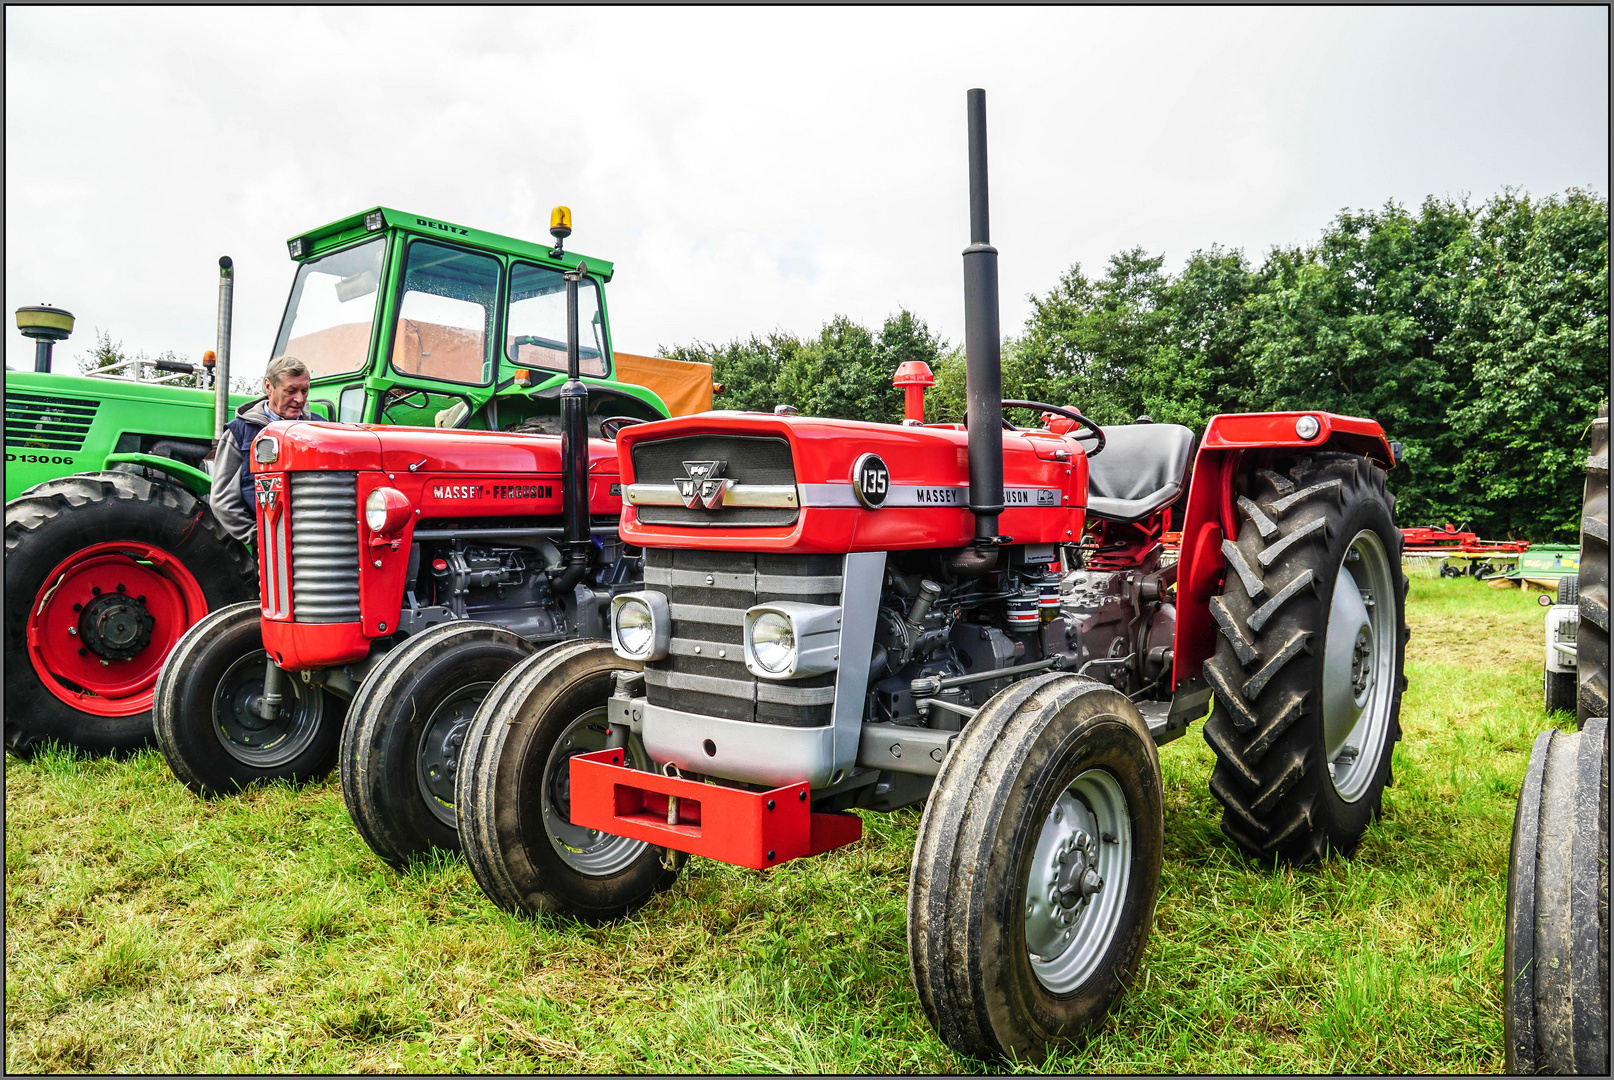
983	365
221	373
573	448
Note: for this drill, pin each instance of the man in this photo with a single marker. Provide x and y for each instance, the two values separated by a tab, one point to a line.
285	388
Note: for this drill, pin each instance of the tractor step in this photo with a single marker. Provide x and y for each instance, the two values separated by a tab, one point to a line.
747	828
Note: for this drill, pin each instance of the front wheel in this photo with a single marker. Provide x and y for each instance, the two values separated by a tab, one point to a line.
405	732
1307	673
1034	879
208	714
514	794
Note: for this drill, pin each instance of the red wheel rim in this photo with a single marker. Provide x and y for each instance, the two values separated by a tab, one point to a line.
153	582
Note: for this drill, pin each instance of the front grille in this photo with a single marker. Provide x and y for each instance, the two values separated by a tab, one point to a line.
709	592
325	547
48	423
747	459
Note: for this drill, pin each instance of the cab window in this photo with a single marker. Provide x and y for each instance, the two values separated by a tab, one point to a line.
332	307
413	407
445	317
535	334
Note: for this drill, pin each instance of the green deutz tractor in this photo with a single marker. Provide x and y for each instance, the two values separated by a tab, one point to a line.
111	549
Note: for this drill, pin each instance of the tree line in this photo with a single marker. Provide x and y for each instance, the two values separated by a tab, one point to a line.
1477	335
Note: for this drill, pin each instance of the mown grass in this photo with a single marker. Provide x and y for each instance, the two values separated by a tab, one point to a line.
149	931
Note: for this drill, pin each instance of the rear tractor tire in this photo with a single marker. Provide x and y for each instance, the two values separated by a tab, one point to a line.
405	731
1037	867
104	573
514	793
1555	957
207	720
1591	642
1307	674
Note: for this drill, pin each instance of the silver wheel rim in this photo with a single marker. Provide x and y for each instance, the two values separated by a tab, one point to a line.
1359	666
588	851
1076	889
437	759
246	736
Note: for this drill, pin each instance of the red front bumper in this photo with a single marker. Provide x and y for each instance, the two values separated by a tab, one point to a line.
748	828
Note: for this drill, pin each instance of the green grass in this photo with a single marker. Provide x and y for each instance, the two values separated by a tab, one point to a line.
148	931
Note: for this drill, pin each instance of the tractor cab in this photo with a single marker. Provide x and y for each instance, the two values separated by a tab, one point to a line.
403	319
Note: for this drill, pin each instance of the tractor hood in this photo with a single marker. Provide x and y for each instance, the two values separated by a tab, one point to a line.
307	445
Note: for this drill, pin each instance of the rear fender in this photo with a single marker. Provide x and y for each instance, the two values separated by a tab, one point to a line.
1233	444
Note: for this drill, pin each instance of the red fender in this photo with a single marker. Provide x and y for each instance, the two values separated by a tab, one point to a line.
1233	443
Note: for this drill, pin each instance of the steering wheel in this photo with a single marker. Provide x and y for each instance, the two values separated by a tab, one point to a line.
1093	430
399	395
612	425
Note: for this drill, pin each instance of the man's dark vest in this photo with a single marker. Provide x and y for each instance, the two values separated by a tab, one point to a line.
243	431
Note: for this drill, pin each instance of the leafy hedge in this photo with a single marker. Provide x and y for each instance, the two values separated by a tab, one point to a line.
1477	335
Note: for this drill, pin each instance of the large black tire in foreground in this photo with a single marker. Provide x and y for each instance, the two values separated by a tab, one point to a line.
1555	964
207	719
104	573
1035	875
514	794
1591	645
1308	667
405	732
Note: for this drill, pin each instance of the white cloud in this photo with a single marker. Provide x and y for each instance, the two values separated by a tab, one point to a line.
749	169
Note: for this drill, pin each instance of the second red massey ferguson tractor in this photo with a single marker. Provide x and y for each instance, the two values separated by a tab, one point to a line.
840	615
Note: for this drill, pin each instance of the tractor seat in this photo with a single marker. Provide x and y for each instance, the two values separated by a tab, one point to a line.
1140	470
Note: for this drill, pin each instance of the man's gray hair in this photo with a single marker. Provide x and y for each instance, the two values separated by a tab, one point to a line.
282	367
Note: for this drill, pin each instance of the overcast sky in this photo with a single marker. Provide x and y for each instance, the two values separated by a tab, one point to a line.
748	170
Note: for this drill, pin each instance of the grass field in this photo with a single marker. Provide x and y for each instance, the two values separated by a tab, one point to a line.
147	931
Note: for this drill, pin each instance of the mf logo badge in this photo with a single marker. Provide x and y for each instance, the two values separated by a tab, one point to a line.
871	481
705	485
268	492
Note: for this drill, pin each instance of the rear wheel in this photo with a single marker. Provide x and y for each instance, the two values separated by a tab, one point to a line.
405	733
514	793
1307	674
1591	644
104	573
208	720
1555	959
1037	867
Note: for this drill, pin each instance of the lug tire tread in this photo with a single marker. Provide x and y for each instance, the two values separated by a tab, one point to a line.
1591	661
1265	724
224	570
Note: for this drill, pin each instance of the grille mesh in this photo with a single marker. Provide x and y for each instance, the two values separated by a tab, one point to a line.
325	547
707	616
48	423
749	459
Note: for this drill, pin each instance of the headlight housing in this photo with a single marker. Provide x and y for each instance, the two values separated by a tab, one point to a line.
788	640
386	510
641	625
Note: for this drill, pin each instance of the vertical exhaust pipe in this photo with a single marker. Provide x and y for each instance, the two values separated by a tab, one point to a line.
983	366
573	448
221	373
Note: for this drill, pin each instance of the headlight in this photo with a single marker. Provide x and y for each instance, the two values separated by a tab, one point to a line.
773	642
641	624
386	510
266	450
787	640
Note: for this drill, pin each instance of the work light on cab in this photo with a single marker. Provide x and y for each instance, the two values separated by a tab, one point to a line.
386	509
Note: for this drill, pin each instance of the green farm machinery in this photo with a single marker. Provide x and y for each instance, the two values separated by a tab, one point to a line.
111	549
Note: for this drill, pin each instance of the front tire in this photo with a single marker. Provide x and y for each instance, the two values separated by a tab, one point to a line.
1555	957
1037	867
514	793
402	742
104	573
1307	674
206	720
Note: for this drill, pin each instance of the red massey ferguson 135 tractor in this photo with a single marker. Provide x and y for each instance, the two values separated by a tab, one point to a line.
841	615
403	569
